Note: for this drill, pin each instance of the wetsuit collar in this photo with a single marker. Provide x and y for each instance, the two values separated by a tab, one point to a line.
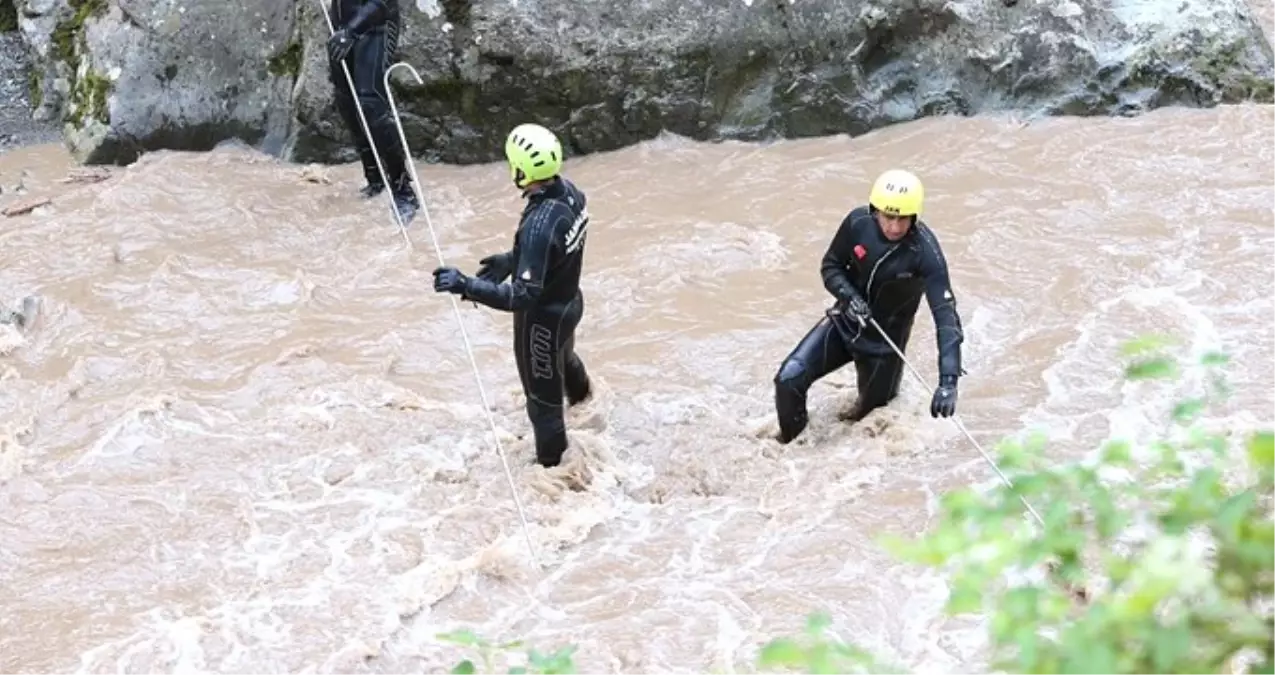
554	187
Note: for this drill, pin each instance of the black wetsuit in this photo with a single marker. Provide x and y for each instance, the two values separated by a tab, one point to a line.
891	277
544	296
375	26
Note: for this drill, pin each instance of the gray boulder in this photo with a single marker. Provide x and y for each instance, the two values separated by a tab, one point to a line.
130	75
139	74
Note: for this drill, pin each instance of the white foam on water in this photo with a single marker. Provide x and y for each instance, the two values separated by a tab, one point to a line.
318	490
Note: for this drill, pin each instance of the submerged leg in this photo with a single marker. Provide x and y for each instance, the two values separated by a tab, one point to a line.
820	352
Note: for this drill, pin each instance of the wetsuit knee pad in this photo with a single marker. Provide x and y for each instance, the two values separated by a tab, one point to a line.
793	375
376	109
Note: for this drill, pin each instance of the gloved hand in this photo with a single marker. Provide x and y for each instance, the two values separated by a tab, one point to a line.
855	306
496	268
944	402
450	280
340	44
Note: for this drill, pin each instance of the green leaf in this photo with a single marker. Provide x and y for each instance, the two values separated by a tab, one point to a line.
558	663
463	637
817	623
964	598
1261	449
1169	646
1214	359
1147	343
1109	519
1230	517
1151	369
465	667
782	652
1116	453
1088	656
1188	410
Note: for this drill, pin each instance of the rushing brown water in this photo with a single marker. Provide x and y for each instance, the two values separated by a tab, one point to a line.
245	435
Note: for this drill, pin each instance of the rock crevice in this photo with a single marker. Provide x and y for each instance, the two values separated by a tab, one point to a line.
130	75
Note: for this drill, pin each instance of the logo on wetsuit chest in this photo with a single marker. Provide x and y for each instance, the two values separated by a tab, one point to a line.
579	228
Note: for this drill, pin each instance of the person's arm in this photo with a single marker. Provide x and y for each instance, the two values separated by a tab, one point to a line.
837	258
369	15
938	293
536	245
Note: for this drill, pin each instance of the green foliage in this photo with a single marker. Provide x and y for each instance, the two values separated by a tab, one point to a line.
1181	558
8	16
558	662
1170	538
815	652
818	653
287	61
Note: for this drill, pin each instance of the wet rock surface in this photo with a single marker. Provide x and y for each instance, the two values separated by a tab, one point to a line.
134	75
130	75
17	128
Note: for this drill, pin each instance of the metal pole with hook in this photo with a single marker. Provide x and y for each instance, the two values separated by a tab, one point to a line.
411	168
464	336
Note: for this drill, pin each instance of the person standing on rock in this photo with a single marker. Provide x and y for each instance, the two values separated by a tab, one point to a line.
544	294
365	38
882	259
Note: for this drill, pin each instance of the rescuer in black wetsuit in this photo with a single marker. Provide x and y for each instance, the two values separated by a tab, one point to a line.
544	294
366	40
881	261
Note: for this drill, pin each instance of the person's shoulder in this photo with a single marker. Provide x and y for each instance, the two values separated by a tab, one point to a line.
575	195
859	213
858	217
927	241
925	233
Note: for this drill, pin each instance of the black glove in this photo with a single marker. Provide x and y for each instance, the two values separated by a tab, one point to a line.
450	280
496	268
855	306
944	402
340	44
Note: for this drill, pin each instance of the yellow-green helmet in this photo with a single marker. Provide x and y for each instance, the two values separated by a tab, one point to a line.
534	153
897	193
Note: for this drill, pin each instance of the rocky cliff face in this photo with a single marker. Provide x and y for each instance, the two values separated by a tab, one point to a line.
129	75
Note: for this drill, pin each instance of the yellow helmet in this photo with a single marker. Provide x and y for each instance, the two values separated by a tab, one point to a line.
897	193
534	153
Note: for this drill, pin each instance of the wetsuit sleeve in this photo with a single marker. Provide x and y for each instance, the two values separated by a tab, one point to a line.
370	14
837	258
938	293
535	247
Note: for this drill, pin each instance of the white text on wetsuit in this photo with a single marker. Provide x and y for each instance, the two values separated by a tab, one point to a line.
575	235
